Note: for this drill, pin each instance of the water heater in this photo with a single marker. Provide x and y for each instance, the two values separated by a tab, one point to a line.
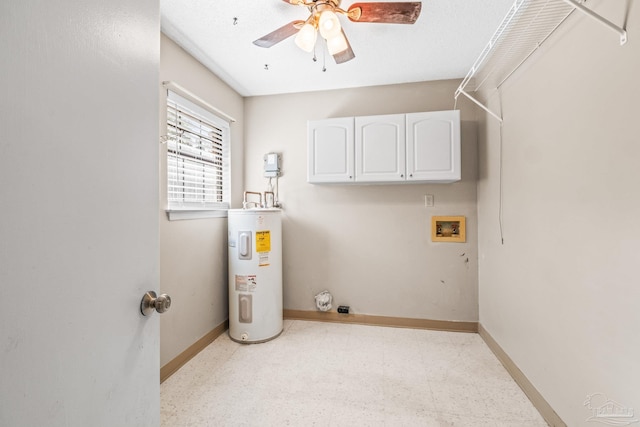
255	274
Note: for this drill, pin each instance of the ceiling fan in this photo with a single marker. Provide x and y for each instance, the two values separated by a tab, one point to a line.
324	19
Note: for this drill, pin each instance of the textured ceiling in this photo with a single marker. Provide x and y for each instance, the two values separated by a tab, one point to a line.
443	44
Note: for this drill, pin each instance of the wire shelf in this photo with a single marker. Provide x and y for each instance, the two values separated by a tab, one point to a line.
525	27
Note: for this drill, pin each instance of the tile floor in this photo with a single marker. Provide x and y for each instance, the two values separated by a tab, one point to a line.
331	374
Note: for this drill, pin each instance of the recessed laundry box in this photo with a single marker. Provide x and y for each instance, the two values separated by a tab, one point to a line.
255	274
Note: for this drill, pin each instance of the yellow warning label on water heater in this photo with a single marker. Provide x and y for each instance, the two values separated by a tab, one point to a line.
263	241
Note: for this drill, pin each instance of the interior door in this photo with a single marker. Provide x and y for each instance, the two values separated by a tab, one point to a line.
79	213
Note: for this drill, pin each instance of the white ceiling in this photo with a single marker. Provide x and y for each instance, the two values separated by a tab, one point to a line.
443	44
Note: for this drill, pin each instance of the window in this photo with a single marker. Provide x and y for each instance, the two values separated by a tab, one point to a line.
197	157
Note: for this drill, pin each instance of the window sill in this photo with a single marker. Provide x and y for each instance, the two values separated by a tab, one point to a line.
176	215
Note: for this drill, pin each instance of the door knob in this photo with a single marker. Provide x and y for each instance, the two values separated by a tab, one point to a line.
150	302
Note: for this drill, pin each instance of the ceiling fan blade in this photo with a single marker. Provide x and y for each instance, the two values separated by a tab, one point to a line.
385	13
280	34
345	55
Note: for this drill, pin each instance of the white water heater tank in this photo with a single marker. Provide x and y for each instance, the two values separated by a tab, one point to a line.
255	274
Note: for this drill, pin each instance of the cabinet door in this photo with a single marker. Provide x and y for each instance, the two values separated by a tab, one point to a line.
330	150
433	146
380	148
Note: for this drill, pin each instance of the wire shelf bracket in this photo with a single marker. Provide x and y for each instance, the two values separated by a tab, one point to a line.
585	10
527	25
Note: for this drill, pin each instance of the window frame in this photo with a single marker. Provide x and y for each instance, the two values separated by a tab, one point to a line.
176	211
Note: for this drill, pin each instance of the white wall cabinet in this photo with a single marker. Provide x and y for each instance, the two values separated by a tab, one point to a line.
415	147
380	148
330	150
433	146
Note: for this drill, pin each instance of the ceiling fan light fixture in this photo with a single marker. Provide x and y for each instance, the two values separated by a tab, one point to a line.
329	24
306	38
337	44
323	18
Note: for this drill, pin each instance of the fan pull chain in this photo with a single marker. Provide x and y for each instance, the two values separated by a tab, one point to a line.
324	58
324	61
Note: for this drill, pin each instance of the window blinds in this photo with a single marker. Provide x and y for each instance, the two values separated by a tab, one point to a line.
197	156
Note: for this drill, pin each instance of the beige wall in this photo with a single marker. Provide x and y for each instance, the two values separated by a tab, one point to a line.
193	253
562	296
368	245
